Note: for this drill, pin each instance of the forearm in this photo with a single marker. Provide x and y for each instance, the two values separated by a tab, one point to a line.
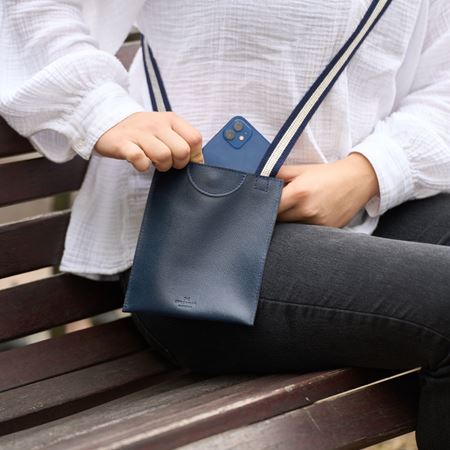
55	80
410	148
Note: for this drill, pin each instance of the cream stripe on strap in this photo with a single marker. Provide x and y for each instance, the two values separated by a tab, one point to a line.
153	79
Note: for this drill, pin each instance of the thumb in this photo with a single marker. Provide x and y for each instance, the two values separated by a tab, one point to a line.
288	198
197	156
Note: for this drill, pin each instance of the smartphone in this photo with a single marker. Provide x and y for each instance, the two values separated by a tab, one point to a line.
238	145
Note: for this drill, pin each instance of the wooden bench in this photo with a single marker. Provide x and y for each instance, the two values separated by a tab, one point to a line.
103	387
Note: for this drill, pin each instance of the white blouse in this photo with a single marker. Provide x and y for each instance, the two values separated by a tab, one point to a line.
61	86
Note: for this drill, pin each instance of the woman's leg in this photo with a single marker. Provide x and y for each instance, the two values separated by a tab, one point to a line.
428	221
332	298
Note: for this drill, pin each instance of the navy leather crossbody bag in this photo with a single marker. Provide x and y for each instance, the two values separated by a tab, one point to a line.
206	230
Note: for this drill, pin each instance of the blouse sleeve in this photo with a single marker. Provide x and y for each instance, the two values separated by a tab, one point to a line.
57	87
410	149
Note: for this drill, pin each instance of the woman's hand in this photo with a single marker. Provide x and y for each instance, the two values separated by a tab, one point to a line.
327	194
161	138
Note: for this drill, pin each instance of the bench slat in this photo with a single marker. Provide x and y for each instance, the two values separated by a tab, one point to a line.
126	53
55	433
66	394
54	301
345	422
38	178
201	409
69	352
11	143
32	243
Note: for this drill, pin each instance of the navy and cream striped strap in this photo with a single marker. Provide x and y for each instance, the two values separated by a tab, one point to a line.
293	127
156	89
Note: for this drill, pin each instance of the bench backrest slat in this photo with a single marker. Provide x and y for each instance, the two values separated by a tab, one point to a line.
126	53
32	244
38	178
11	143
54	301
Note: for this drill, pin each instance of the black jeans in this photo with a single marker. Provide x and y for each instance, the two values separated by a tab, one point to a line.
333	298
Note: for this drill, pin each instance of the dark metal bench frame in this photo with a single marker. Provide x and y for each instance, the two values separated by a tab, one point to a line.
104	387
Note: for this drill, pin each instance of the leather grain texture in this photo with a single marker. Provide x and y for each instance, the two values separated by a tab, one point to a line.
203	244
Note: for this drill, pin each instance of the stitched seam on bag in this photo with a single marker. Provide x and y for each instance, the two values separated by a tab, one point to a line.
222	169
211	194
257	184
363	313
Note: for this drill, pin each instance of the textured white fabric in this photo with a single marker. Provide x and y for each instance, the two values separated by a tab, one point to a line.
61	87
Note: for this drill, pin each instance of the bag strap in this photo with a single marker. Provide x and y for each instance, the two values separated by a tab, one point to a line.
297	121
156	88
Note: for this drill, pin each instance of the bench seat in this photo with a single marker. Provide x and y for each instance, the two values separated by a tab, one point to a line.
103	387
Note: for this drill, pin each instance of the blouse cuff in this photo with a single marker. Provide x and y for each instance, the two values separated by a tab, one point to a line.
392	170
99	111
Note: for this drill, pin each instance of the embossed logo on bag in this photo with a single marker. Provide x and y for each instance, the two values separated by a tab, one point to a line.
185	302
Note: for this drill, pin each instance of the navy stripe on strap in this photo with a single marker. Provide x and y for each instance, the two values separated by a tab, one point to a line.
155	83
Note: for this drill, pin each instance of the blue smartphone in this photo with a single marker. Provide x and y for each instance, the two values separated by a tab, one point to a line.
238	145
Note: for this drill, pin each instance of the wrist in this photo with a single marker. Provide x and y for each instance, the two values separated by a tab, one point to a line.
363	174
101	109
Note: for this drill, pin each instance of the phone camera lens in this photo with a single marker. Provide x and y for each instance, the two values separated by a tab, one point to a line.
229	134
238	125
